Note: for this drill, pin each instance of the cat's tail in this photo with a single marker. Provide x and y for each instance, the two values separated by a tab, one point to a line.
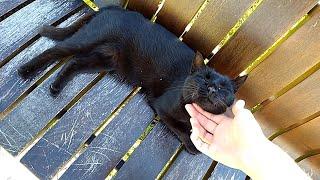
62	33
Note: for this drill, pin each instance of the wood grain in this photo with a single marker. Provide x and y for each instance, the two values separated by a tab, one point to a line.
298	103
6	6
224	172
11	84
75	127
272	19
188	166
295	56
110	146
175	15
23	25
301	139
149	158
35	111
145	7
214	23
311	166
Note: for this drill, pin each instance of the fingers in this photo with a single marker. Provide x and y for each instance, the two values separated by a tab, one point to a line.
198	143
206	123
200	131
238	107
197	112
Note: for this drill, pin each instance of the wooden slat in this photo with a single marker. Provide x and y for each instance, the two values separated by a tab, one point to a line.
297	104
35	111
301	139
149	158
272	19
75	127
145	7
295	56
224	172
175	15
6	6
11	84
188	166
23	25
214	23
311	165
110	146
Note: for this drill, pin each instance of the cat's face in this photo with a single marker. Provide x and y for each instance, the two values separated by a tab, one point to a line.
210	90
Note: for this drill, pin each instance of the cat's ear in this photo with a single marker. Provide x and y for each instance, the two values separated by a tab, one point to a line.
237	82
198	62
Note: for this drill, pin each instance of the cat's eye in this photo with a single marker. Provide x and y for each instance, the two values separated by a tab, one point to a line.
208	76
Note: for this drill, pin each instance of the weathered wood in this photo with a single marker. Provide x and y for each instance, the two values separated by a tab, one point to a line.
224	172
175	15
174	18
110	146
149	158
145	7
296	55
6	6
23	25
75	127
297	104
35	111
214	23
272	19
11	84
188	166
311	166
301	139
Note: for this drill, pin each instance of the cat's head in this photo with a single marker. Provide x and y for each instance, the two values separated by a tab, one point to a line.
212	91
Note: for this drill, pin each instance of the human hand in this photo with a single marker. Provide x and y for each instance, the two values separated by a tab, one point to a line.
228	140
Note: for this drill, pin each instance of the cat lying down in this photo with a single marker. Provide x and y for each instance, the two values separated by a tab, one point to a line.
147	55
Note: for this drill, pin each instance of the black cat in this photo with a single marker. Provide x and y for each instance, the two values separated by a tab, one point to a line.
147	55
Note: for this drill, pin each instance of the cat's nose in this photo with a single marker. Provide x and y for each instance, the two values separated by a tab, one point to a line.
211	90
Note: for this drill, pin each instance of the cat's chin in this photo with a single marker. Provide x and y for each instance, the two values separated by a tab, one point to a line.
212	109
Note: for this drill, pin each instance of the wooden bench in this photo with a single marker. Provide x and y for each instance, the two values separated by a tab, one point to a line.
99	128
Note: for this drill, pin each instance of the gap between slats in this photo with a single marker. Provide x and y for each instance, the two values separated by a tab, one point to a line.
36	37
235	28
310	153
135	145
15	9
289	86
16	102
55	120
31	88
97	131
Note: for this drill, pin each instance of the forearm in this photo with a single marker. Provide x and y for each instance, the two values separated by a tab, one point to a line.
268	161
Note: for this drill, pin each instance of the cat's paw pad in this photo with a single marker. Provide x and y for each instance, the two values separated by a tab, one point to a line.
54	90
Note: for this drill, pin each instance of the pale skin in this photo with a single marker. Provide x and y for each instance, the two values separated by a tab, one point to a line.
236	140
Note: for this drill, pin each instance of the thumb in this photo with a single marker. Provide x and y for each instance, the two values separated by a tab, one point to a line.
238	107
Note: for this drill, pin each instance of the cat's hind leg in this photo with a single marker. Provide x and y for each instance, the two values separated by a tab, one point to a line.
60	34
44	59
102	58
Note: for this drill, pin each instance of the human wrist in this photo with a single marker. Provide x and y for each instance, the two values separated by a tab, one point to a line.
253	157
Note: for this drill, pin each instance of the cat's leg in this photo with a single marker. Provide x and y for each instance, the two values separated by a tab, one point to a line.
182	130
62	33
102	58
43	60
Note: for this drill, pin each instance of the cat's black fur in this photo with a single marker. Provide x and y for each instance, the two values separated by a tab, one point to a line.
147	55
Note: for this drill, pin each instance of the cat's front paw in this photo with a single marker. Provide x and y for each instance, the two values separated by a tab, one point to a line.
24	72
54	90
191	148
